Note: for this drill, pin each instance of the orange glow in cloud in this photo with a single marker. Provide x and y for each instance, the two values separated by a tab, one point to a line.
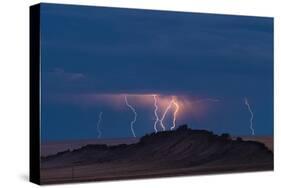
161	104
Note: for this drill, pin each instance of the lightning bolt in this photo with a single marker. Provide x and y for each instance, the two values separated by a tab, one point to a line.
175	113
135	115
98	125
164	115
252	115
155	113
172	102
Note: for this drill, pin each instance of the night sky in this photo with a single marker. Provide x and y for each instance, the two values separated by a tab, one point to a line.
92	57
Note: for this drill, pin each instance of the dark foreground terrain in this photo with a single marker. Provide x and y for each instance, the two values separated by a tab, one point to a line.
180	152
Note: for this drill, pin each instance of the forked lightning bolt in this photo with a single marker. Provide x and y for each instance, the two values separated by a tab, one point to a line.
175	114
164	115
252	116
135	115
172	102
98	125
155	113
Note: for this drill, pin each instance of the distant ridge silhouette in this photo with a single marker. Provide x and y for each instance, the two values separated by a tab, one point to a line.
182	147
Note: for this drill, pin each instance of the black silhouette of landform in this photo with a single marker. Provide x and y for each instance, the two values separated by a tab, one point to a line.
180	152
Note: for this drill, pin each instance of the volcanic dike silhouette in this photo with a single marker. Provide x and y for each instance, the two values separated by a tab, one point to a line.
192	151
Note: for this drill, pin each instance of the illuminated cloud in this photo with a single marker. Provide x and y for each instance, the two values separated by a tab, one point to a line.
185	105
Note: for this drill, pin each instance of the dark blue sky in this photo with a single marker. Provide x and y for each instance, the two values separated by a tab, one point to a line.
94	51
